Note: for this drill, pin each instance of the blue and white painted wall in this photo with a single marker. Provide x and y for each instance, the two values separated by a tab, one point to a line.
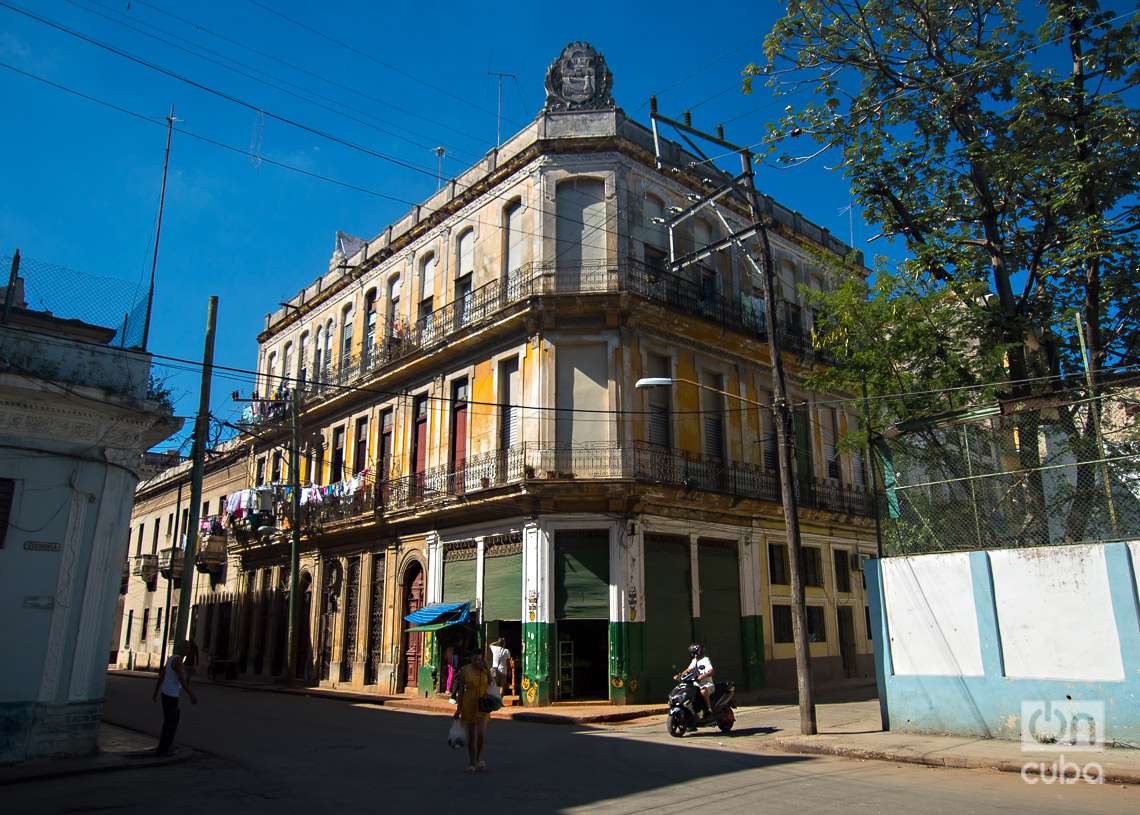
971	636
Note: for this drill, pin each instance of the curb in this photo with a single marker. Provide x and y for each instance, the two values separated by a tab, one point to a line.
959	762
119	764
406	703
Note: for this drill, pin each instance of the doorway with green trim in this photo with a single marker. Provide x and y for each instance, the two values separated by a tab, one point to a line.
502	600
581	614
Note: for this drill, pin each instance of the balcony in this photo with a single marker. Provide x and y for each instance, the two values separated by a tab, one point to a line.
635	463
337	509
211	555
146	567
398	340
170	563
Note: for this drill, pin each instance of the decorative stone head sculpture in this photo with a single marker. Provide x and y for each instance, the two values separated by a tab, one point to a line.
579	80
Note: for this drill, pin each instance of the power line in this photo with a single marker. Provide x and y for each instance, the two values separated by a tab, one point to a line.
281	118
292	66
370	57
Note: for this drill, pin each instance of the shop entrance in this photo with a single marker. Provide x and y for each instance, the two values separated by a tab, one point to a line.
581	658
581	612
668	612
413	642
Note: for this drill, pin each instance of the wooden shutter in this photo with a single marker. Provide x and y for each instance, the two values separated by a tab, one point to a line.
459	575
510	398
712	415
502	582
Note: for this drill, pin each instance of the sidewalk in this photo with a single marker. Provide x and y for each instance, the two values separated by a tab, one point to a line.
588	713
119	749
852	730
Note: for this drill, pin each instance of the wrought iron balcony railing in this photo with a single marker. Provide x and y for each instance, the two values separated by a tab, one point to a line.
637	462
398	340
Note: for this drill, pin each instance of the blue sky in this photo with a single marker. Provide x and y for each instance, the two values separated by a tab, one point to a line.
81	182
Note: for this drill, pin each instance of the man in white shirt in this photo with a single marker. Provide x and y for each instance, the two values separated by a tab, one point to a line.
704	668
501	662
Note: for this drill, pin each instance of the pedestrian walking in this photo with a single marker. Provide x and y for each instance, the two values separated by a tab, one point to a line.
501	662
472	710
172	680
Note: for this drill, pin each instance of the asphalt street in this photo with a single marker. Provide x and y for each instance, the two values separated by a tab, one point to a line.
274	753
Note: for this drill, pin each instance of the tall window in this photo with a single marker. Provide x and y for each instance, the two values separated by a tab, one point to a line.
330	333
142	628
464	275
801	436
259	477
712	415
510	398
706	269
392	314
336	465
275	470
319	354
170	524
154	539
659	399
580	238
656	235
346	338
287	365
369	327
513	238
303	359
427	294
419	443
457	454
384	444
139	542
360	443
829	429
271	373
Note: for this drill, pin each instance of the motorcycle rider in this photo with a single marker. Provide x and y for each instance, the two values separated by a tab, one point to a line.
704	668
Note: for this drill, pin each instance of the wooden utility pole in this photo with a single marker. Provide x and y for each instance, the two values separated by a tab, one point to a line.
201	436
744	187
158	229
295	532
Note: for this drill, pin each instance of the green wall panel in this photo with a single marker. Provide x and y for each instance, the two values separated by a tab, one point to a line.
752	630
536	681
502	587
668	614
582	576
459	581
627	662
719	626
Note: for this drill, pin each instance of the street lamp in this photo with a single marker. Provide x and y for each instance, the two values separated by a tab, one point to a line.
792	529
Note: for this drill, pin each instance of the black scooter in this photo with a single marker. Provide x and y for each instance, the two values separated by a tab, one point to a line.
687	706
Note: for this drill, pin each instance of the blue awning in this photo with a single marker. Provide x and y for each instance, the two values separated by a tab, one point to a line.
446	613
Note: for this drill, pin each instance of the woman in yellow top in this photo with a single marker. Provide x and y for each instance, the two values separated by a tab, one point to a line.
474	678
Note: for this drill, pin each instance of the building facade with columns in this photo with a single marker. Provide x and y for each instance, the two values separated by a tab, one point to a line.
470	431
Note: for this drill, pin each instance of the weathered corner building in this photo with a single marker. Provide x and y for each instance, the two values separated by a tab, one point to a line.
468	379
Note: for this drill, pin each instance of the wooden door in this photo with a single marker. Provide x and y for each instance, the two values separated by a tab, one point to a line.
419	447
458	452
413	601
846	627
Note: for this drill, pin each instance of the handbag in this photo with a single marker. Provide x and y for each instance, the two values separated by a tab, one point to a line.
492	700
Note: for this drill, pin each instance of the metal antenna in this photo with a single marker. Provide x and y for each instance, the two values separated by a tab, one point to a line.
499	117
439	151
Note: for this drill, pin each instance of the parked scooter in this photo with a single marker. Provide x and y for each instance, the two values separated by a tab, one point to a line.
687	710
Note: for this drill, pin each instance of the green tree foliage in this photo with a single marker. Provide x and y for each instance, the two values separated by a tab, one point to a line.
1006	160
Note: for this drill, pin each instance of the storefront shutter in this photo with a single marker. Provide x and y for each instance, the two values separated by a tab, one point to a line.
582	576
502	586
719	627
459	581
668	612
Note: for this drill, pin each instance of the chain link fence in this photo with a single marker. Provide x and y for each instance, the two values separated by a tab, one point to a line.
71	295
1029	478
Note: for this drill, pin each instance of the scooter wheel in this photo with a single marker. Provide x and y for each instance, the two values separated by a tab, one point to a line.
676	725
726	722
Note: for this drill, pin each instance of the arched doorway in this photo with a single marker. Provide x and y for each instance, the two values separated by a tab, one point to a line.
413	642
330	597
304	645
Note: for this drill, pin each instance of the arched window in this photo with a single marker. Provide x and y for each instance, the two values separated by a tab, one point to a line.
319	354
346	316
580	239
287	366
330	333
303	360
393	312
513	238
427	290
271	373
369	327
464	274
706	269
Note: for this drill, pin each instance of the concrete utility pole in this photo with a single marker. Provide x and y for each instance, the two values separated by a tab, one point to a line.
744	188
201	436
295	533
170	581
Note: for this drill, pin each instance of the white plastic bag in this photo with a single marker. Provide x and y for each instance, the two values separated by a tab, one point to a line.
457	735
493	690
